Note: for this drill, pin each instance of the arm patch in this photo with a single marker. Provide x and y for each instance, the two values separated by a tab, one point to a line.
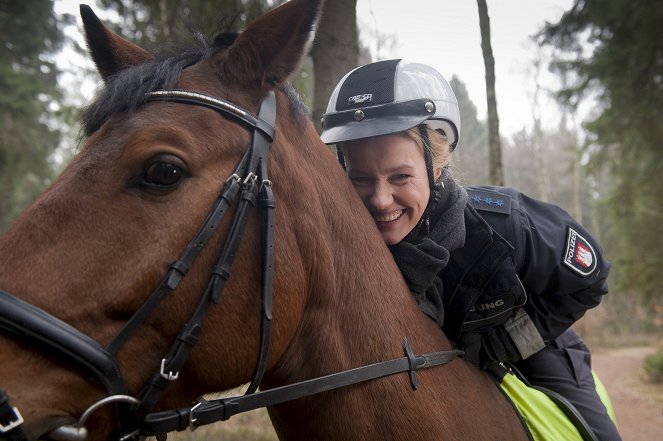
579	255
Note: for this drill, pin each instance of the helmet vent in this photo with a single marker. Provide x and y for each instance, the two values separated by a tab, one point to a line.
372	83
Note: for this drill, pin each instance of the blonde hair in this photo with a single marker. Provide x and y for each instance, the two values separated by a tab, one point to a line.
439	145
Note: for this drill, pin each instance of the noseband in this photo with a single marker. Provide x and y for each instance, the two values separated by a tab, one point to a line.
27	322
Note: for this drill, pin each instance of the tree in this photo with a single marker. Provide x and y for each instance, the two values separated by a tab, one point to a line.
471	153
613	51
335	51
155	22
161	23
28	90
494	145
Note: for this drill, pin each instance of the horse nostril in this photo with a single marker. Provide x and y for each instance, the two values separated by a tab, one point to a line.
67	433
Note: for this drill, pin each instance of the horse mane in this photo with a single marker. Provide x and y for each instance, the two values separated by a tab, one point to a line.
126	90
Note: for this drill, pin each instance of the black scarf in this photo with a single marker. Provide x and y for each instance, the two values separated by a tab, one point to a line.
422	254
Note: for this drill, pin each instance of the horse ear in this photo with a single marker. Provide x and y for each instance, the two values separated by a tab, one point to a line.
110	52
271	48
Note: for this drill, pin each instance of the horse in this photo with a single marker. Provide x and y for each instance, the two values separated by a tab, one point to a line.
163	137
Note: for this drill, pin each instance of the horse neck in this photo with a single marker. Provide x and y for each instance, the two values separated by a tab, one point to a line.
357	313
354	309
357	298
358	308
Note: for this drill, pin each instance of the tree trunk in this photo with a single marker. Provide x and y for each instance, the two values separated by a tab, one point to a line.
538	148
494	146
335	51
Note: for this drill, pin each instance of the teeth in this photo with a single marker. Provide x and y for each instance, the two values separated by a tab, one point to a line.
388	217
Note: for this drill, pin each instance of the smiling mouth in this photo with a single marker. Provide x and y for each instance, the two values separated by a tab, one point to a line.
385	218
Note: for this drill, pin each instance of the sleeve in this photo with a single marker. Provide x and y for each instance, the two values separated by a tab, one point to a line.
559	263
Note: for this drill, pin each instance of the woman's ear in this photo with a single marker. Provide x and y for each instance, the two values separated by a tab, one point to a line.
437	173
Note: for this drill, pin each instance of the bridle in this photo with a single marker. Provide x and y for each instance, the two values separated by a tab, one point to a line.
250	182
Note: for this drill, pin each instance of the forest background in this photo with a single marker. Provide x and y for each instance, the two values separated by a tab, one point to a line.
601	165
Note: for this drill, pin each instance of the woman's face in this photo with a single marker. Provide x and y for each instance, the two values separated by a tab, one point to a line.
389	174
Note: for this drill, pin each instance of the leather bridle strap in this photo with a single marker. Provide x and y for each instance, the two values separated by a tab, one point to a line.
263	125
260	150
10	421
181	266
252	166
27	322
207	412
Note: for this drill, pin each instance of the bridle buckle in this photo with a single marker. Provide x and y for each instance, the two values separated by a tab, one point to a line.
18	420
170	376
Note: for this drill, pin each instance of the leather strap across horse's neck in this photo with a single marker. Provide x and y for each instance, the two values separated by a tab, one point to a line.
207	412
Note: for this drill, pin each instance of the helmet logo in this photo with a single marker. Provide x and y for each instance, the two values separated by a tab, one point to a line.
363	98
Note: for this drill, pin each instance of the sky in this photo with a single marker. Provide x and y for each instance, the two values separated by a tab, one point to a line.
445	34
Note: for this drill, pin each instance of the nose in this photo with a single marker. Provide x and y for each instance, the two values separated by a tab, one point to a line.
381	197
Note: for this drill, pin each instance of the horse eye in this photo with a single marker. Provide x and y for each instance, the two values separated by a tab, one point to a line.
163	174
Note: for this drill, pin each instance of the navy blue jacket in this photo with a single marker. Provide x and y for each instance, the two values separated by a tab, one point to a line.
526	272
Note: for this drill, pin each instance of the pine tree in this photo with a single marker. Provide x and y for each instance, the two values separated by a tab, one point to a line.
613	50
28	88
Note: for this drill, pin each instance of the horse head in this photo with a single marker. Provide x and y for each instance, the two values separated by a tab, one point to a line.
93	247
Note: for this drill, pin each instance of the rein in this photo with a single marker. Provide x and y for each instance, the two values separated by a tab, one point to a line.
249	180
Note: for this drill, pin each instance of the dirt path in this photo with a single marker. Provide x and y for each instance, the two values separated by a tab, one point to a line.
638	405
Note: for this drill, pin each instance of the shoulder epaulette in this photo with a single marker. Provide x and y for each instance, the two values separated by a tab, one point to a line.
487	200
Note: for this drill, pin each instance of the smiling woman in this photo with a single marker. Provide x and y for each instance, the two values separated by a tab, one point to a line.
389	174
483	263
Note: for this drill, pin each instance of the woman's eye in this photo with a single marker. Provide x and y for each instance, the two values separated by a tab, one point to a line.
163	174
400	177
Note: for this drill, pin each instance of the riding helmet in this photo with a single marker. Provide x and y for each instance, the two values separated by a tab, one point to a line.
390	96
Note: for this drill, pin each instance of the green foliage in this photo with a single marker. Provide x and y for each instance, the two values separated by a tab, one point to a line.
151	23
654	367
28	88
613	51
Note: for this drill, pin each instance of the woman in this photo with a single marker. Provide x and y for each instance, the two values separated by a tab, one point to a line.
504	275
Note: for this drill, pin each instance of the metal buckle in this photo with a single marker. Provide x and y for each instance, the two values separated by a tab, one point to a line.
250	177
4	428
131	436
192	420
264	183
170	376
235	177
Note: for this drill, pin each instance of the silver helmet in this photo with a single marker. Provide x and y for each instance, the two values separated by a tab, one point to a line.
390	96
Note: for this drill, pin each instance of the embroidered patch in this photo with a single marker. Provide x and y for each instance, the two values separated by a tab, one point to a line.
363	98
579	254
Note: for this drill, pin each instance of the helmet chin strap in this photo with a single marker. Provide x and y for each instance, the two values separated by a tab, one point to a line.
340	156
428	157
